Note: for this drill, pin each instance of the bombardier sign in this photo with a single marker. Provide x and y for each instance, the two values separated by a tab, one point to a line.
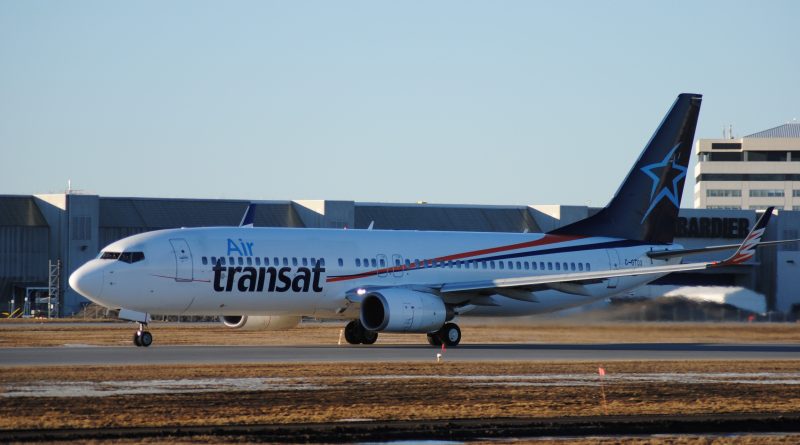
704	227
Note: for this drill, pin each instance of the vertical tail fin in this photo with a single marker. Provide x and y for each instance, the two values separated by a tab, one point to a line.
748	247
646	205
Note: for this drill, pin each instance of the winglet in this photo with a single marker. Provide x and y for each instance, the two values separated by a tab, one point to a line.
249	216
748	247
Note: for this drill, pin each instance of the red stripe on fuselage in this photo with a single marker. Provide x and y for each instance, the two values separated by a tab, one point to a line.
545	240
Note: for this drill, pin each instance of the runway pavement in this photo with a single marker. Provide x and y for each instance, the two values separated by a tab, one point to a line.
124	355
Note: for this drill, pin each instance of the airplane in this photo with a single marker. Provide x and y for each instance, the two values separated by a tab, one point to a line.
411	281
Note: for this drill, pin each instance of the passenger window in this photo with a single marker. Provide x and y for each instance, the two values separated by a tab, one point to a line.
527	266
566	266
491	264
294	261
285	261
588	267
213	260
231	261
572	266
322	262
533	265
500	265
305	261
549	265
205	261
373	262
266	261
258	261
408	263
519	266
241	261
580	267
222	260
483	264
249	261
474	264
358	262
511	265
341	262
383	262
558	266
313	261
275	261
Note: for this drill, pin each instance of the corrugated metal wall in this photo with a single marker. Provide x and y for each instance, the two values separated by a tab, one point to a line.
24	244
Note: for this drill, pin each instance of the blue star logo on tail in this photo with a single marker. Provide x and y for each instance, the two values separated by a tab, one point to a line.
666	176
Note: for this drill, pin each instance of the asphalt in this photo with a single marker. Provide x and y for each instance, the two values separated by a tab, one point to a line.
130	355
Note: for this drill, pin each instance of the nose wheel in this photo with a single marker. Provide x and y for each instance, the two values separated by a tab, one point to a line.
142	337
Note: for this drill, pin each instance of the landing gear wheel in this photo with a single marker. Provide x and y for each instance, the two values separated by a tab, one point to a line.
450	334
434	339
355	334
352	332
146	339
369	337
142	337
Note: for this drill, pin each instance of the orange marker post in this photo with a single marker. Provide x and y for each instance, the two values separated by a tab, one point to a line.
602	372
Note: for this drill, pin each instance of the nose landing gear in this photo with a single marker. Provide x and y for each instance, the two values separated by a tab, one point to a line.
142	337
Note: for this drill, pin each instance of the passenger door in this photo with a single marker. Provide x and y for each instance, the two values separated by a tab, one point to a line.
183	259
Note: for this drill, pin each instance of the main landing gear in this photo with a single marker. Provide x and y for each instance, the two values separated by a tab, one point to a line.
356	334
142	337
449	335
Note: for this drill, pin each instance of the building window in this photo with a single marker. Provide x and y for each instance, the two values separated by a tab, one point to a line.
726	146
759	207
723	193
766	156
747	177
723	207
796	193
722	157
766	193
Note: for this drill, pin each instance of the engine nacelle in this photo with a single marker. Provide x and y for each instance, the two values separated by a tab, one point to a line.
260	322
402	310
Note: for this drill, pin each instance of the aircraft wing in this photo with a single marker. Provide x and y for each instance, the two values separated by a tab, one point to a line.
744	252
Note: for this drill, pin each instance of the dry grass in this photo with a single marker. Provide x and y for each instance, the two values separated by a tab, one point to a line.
344	395
14	333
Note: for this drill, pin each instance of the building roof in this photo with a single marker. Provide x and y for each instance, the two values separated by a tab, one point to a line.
150	213
787	130
445	217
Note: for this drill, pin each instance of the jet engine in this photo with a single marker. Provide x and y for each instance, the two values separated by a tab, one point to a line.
260	322
403	310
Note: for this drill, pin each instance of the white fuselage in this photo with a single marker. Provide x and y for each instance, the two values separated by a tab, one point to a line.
279	271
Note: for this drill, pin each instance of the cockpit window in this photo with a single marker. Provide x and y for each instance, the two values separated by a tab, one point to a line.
131	257
128	257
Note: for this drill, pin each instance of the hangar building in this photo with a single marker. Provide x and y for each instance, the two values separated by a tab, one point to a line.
43	238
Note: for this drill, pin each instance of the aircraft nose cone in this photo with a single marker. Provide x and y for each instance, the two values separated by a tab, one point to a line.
87	281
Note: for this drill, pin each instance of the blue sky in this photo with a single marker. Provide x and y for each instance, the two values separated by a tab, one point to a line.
454	102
